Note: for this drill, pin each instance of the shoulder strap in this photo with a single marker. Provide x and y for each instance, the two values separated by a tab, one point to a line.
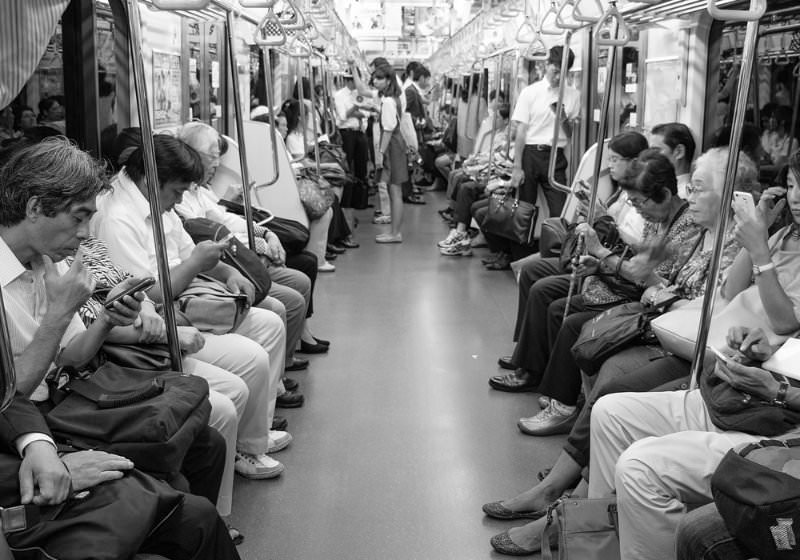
676	269
678	214
90	390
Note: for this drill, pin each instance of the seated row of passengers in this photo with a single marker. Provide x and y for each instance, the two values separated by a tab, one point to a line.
655	451
50	193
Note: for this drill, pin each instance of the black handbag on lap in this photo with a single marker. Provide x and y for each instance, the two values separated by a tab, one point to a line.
511	218
150	417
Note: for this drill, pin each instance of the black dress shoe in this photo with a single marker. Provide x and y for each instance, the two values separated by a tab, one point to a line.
332	248
330	256
322	341
505	363
299	364
349	244
520	381
307	348
290	384
413	199
290	399
279	423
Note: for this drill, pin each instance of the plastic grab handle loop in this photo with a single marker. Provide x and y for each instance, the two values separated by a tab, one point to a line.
311	30
552	10
181	4
269	40
757	9
526	25
296	22
560	20
577	15
623	35
257	3
536	50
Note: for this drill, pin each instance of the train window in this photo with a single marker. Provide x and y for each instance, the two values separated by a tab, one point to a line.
204	95
107	117
624	89
666	82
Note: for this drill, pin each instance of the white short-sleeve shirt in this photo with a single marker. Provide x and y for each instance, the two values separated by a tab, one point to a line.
533	109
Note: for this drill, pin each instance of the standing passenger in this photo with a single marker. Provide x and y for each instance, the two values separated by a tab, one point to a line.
536	117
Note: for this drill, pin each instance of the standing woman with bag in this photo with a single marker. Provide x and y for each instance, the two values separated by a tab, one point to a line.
391	154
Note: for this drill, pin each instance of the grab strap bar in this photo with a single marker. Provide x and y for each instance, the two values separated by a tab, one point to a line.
740	107
181	4
756	11
257	3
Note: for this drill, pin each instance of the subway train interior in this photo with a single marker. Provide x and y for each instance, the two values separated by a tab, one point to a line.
450	279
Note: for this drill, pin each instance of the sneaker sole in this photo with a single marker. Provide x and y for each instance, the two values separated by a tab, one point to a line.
279	446
462	253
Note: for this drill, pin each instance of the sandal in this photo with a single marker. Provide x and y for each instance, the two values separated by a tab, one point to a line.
236	536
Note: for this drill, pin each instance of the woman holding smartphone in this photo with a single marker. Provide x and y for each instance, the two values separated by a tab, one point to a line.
391	154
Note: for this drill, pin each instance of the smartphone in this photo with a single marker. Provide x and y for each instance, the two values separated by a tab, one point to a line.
744	202
138	287
724	357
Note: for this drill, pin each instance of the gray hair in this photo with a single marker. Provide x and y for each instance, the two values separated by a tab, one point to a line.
716	161
55	172
198	134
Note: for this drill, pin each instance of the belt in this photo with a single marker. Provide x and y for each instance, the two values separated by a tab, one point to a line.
541	147
350	129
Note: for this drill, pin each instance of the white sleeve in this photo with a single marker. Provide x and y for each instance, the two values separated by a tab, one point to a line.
388	114
126	245
341	109
522	108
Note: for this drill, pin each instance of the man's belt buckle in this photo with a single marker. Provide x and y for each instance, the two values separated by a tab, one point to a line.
16	518
541	147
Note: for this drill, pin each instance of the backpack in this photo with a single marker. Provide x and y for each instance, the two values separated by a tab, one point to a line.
152	418
757	493
237	255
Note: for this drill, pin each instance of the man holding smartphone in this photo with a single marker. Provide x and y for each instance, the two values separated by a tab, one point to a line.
535	116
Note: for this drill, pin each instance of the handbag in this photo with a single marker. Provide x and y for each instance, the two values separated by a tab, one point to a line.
152	357
315	201
211	307
110	521
757	493
587	529
292	234
552	237
236	254
152	418
614	330
511	218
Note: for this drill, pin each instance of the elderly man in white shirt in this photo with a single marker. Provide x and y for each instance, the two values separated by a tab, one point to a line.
123	222
349	121
535	117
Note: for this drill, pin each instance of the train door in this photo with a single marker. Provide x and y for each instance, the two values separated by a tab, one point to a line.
205	52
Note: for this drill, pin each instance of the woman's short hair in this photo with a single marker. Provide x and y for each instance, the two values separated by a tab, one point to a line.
715	161
54	171
651	174
387	73
628	144
175	161
198	134
291	109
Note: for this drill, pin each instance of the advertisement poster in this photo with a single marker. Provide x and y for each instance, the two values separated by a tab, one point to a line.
166	90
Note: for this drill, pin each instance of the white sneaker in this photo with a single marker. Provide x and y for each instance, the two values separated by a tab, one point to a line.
461	248
326	267
447	241
382	220
278	441
257	466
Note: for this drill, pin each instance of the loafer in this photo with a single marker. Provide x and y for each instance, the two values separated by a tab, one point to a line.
505	363
322	341
389	238
279	423
502	263
290	384
290	399
330	256
491	258
237	537
499	511
520	381
299	364
307	348
548	422
503	544
332	248
413	199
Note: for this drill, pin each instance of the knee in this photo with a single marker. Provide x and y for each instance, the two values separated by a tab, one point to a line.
602	414
634	469
226	410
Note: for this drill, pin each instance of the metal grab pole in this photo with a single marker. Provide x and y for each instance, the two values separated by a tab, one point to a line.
237	111
151	177
757	9
265	43
551	164
619	36
795	109
512	99
8	377
498	77
313	96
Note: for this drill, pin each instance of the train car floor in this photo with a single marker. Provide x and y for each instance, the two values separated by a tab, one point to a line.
401	440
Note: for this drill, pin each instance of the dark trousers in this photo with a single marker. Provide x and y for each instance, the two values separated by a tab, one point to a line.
534	165
533	349
354	144
305	262
529	274
702	535
468	194
651	369
338	230
194	531
204	463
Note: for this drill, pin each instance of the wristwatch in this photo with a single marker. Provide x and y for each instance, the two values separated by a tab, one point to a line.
780	397
760	269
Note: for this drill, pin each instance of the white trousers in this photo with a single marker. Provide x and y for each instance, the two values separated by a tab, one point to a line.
225	414
658	452
318	235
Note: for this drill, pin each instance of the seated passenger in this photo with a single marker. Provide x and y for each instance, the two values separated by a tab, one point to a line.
675	141
622	150
669	234
777	139
256	351
629	370
290	289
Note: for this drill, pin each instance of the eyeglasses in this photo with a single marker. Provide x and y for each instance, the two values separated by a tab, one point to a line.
691	188
617	159
636	203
